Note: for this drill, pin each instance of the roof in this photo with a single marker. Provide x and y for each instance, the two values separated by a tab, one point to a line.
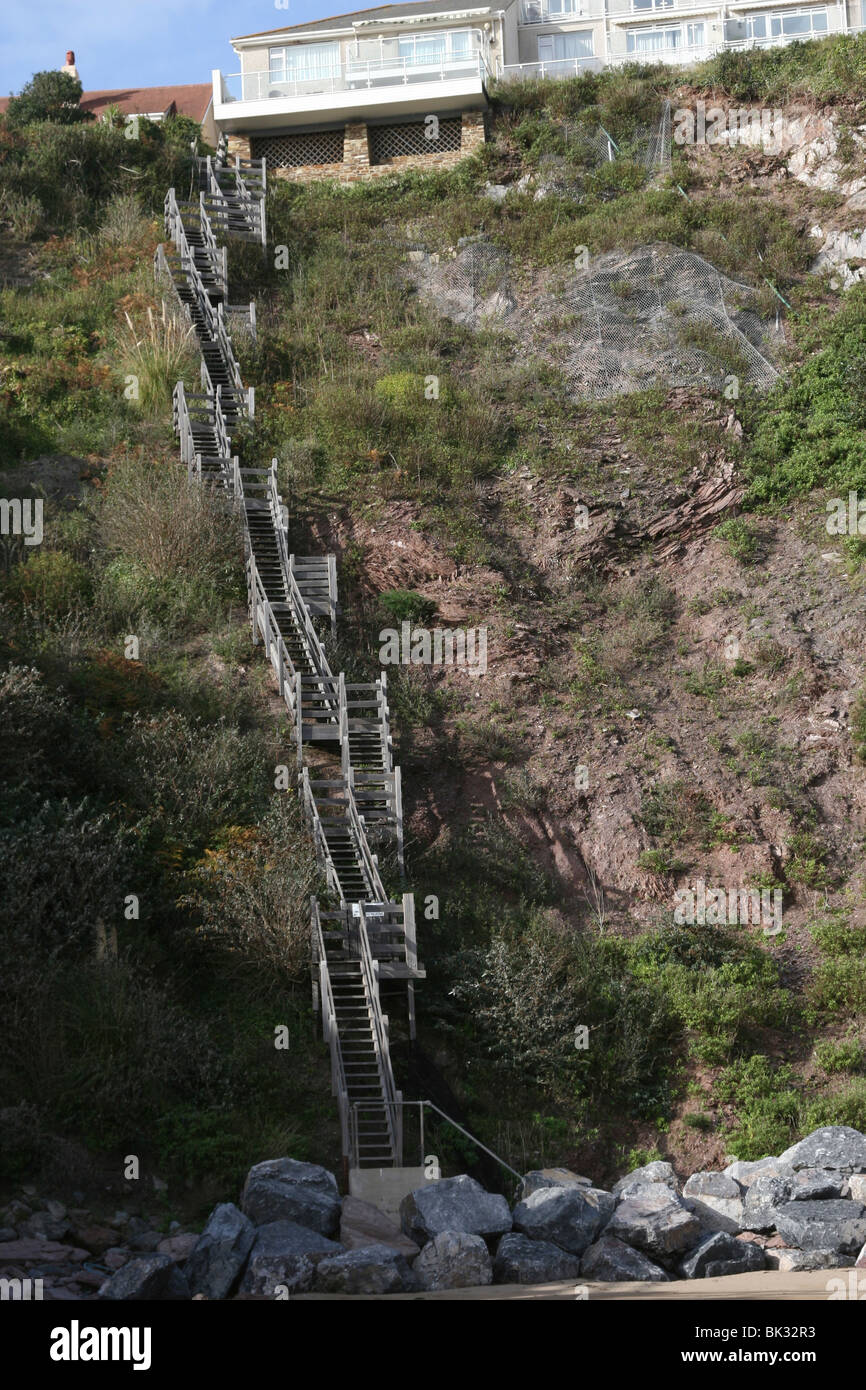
191	100
343	21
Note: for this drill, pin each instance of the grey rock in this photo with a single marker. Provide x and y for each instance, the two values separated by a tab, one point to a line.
285	1254
150	1277
610	1260
374	1269
453	1204
454	1260
648	1175
43	1226
834	1146
570	1217
791	1261
147	1241
857	1187
7	1233
55	1209
116	1257
220	1253
519	1260
658	1223
717	1200
763	1197
746	1173
814	1184
860	1261
551	1177
282	1189
495	191
719	1254
829	1225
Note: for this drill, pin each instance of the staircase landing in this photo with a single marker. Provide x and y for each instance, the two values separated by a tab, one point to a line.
385	1188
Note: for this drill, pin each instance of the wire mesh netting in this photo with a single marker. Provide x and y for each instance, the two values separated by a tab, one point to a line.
661	315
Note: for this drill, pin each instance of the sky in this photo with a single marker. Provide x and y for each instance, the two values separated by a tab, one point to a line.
140	43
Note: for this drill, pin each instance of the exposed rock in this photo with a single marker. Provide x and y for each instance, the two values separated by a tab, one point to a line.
285	1254
454	1260
7	1233
659	1223
453	1204
220	1252
857	1187
762	1198
150	1277
830	1225
813	1184
282	1189
570	1217
362	1224
647	1176
717	1199
495	192
720	1253
791	1261
375	1269
116	1257
861	1259
611	1260
551	1177
520	1260
835	1146
147	1241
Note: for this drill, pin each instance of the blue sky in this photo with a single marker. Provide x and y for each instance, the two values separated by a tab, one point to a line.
143	43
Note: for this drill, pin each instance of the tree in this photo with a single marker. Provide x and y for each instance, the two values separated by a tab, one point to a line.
48	96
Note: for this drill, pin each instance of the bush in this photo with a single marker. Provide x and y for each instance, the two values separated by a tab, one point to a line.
740	538
404	605
844	1055
50	582
24	214
48	96
767	1106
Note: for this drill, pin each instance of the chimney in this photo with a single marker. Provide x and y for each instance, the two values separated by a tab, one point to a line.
69	65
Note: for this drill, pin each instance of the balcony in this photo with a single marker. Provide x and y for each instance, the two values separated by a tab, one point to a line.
559	11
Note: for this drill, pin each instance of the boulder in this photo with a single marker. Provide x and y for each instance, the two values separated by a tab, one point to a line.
835	1146
96	1238
647	1176
717	1200
282	1189
42	1225
375	1269
454	1260
659	1223
179	1247
520	1260
860	1261
745	1173
551	1177
363	1224
815	1184
610	1260
763	1196
33	1251
285	1254
570	1217
7	1233
453	1204
721	1253
219	1254
149	1277
830	1225
116	1257
792	1261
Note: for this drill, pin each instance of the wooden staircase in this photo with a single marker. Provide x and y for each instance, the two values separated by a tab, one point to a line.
351	810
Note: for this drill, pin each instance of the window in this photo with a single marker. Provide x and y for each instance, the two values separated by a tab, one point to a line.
695	35
303	62
558	7
553	47
652	4
653	40
454	46
806	22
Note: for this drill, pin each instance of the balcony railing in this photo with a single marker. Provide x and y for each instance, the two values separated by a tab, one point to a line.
356	74
549	12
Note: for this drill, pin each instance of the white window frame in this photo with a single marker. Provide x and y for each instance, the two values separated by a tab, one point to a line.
550	41
407	47
291	63
644	6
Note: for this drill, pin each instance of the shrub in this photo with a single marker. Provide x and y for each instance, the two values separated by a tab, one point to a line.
51	582
24	214
157	354
858	726
404	605
766	1102
48	96
740	538
846	1054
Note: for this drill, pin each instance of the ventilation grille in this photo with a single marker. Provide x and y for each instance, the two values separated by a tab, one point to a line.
293	151
389	142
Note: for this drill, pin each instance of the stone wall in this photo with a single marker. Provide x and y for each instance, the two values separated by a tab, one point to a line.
356	164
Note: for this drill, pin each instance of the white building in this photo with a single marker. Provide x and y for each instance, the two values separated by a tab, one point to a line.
406	84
